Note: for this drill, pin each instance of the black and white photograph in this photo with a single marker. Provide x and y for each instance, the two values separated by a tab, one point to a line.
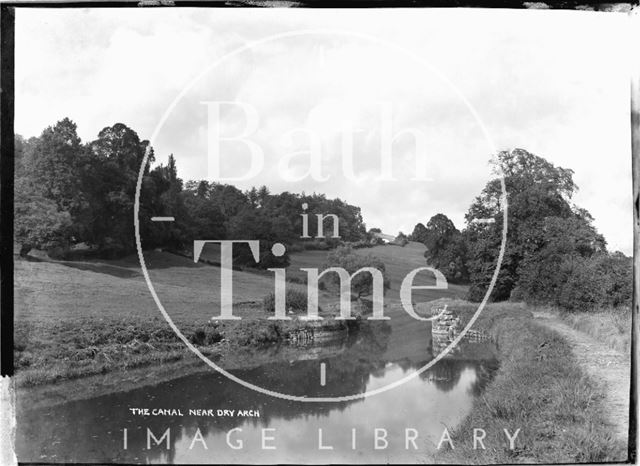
295	235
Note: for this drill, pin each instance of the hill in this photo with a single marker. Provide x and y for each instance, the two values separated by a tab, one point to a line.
399	261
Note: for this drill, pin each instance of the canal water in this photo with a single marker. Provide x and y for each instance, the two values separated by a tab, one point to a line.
402	425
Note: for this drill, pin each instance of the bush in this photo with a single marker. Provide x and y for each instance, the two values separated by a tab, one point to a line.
401	240
316	245
295	300
361	284
577	283
205	336
618	269
583	290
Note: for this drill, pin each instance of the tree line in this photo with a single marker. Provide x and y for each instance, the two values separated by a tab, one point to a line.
68	192
554	255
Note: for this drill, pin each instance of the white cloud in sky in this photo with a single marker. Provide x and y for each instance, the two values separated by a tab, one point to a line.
553	82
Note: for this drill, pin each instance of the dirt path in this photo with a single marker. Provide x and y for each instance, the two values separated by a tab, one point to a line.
604	364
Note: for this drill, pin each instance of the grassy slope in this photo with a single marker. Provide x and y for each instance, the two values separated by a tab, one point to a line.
83	318
75	290
93	317
539	389
399	261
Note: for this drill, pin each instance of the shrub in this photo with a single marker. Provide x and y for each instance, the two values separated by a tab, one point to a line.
205	336
361	284
295	300
316	245
576	283
401	240
584	289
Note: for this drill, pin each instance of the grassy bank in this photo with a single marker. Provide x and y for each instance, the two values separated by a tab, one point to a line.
81	318
54	352
538	389
76	319
611	327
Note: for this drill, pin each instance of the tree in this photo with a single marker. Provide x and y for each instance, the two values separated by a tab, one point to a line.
446	248
162	195
93	187
618	270
419	234
401	239
563	247
439	232
346	258
38	221
582	287
54	161
203	218
116	158
536	190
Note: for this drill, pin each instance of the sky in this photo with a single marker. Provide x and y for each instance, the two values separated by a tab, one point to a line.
325	99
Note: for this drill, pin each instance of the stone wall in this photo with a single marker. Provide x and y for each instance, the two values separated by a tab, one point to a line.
447	324
447	327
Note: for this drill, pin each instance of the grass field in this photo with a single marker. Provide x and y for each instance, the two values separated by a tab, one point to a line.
82	318
399	261
56	291
72	290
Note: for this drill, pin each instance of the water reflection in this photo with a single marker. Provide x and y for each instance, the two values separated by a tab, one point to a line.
92	430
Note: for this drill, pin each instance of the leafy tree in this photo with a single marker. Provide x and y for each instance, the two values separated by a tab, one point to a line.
54	161
21	146
203	218
229	199
401	239
618	270
116	157
536	190
162	194
446	248
582	288
38	221
252	195
94	186
562	246
419	233
439	232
